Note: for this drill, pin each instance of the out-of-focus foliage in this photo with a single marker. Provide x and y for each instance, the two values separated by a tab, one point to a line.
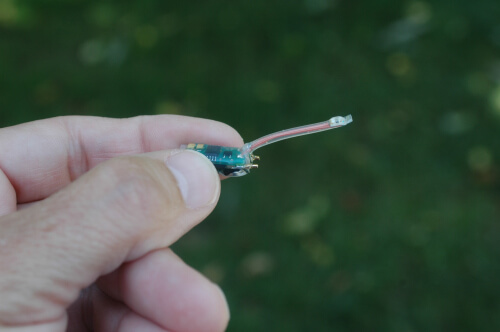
389	224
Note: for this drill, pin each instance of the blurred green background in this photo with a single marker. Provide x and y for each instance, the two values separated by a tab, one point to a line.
389	224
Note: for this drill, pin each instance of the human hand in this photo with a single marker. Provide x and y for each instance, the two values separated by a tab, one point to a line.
86	204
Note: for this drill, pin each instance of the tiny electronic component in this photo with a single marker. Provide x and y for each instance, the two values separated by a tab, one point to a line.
229	161
234	161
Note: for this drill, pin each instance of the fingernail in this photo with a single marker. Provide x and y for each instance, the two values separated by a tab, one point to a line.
196	177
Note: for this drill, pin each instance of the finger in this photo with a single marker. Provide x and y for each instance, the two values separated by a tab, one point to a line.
163	289
42	157
117	212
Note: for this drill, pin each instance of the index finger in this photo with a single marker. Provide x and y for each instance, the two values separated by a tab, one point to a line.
41	157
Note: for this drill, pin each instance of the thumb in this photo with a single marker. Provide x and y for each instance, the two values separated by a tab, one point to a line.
117	212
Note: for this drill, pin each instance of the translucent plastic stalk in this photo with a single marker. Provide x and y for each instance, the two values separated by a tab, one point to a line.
335	122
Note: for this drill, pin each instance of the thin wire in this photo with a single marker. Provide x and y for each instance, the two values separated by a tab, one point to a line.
294	132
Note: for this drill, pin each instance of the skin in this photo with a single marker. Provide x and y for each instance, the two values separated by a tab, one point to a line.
88	209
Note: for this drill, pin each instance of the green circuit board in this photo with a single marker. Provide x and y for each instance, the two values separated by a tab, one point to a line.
227	160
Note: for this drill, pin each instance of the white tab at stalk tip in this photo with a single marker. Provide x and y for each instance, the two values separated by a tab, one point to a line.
340	120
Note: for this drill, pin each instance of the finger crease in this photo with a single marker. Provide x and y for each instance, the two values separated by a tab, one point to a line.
142	135
77	157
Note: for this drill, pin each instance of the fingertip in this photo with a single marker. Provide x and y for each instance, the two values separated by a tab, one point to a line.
196	178
223	313
202	307
185	129
221	133
162	288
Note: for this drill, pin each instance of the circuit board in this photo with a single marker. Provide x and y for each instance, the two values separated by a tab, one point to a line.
227	160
